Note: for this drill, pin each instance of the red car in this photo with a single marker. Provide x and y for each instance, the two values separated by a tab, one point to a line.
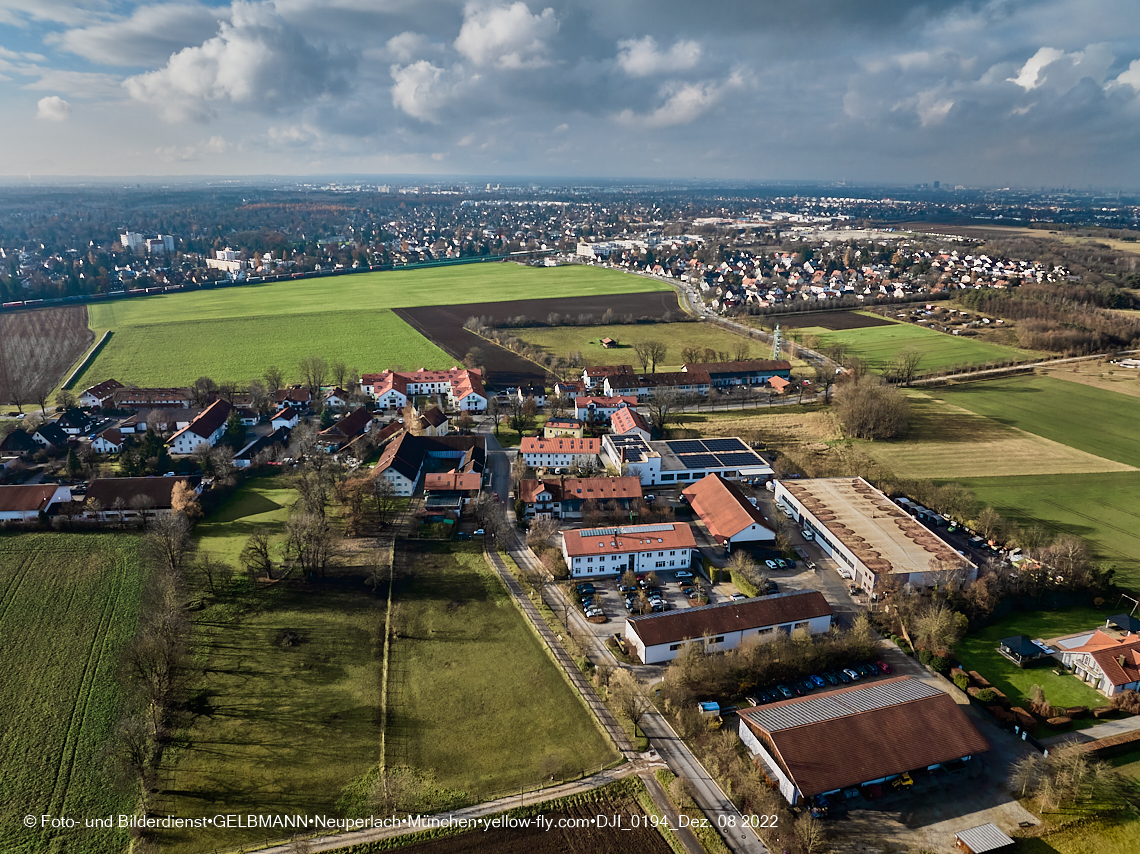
883	666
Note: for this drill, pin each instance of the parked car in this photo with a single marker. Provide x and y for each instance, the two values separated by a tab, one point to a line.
480	532
867	670
738	597
844	677
883	666
851	674
681	573
818	680
831	678
785	692
771	564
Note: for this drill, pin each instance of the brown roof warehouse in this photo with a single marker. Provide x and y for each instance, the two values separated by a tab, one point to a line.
882	730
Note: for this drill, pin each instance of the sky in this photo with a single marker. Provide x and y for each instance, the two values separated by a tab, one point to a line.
1022	93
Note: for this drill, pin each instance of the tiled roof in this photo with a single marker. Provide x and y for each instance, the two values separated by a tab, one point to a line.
27	498
212	417
559	445
673	626
722	507
616	400
670	378
749	366
626	420
106	490
452	481
627	539
581	488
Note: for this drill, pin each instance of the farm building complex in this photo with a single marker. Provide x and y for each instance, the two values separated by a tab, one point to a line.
862	735
657	638
865	532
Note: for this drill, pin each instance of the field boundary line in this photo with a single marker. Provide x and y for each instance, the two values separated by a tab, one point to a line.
95	350
384	660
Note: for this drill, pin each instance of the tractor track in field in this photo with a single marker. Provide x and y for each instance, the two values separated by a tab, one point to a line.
14	589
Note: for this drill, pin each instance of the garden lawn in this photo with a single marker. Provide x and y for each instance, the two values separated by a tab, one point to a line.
978	651
1090	419
561	340
879	345
1102	508
475	698
68	605
1096	836
261	503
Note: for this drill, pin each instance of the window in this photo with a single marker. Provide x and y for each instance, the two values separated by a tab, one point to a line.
672	563
673	647
805	624
589	560
660	563
767	630
717	639
672	553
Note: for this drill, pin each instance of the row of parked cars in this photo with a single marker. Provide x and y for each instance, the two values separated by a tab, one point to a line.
591	604
798	687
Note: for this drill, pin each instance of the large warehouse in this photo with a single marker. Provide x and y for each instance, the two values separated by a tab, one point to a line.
865	532
658	638
859	735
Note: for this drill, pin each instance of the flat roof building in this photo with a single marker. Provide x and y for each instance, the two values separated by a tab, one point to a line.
683	461
868	535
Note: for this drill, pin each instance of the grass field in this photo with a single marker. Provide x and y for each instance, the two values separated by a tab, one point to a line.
978	652
68	605
878	346
467	667
1089	419
676	336
1104	376
235	333
947	441
1102	508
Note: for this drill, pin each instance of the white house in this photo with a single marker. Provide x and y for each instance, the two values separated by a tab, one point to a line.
462	388
99	394
599	552
286	417
627	421
24	503
207	429
600	408
110	441
658	638
559	452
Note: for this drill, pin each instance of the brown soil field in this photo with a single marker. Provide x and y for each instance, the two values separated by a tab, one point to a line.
833	320
443	324
575	840
37	347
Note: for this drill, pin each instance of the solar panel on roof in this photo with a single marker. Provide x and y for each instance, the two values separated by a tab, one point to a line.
829	707
719	445
644	529
598	532
741	459
686	446
700	461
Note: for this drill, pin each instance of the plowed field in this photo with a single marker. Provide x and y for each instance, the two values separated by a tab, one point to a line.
37	347
833	320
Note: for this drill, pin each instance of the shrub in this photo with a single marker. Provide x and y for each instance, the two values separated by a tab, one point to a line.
1059	721
1127	701
985	696
939	664
924	656
962	681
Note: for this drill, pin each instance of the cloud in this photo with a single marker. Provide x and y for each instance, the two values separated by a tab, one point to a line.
19	12
188	153
78	84
641	58
1131	76
407	46
53	109
422	89
684	103
1027	77
147	37
257	60
506	36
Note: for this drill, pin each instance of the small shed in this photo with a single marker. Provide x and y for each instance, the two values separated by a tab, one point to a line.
607	343
1124	622
1021	650
984	837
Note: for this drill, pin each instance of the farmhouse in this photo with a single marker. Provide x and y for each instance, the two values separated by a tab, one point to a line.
408	457
74	422
1107	658
159	420
559	453
560	426
596	552
629	422
683	461
19	441
338	399
460	387
287	416
99	395
730	518
50	435
433	422
152	398
643	386
110	441
861	735
25	503
748	372
563	497
122	499
595	375
600	409
448	492
871	539
658	638
206	429
298	396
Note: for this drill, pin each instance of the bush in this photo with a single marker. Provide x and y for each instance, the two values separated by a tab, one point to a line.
924	656
985	696
962	681
1062	720
1127	701
939	664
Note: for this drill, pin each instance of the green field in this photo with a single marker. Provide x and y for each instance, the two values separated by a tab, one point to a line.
1083	417
1101	508
978	652
235	333
68	605
470	669
676	336
878	346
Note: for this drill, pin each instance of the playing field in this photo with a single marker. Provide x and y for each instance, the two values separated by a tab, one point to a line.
676	337
879	345
68	605
1102	508
947	441
1090	419
235	333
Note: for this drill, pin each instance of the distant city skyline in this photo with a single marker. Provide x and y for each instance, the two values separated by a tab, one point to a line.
1032	94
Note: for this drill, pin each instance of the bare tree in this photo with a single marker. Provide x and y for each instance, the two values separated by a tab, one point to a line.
494	412
203	389
339	371
169	542
741	351
870	409
905	366
314	374
664	407
642	350
256	556
143	505
214	571
274	379
384	494
630	696
657	353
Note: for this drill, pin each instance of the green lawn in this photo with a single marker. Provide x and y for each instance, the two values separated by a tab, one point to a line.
478	700
1102	508
1090	419
1097	836
262	502
978	652
68	605
878	346
241	348
676	336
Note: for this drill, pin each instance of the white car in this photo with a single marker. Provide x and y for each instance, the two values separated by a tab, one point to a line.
681	573
771	564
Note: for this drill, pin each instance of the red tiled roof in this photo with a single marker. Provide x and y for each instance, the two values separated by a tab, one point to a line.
674	626
1121	661
626	420
608	370
583	488
616	400
631	538
722	507
452	481
559	445
668	378
27	498
212	417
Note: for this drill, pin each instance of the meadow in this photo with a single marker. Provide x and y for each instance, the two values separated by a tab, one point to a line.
68	605
879	345
1083	417
676	336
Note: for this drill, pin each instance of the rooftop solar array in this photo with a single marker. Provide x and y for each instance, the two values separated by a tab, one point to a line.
720	445
629	529
714	453
837	705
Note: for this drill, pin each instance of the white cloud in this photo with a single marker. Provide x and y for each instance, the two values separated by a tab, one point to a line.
78	84
506	36
407	46
147	37
256	60
188	153
53	109
932	107
641	58
1131	76
683	104
1029	77
422	89
19	12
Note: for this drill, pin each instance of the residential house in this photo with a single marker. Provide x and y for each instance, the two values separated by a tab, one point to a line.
110	441
406	458
297	396
594	375
206	429
18	442
50	435
161	421
629	422
347	428
100	395
248	417
287	416
433	422
747	372
536	392
561	425
152	398
338	399
562	452
25	503
461	388
597	409
74	422
563	497
600	552
124	499
279	438
642	386
1109	660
